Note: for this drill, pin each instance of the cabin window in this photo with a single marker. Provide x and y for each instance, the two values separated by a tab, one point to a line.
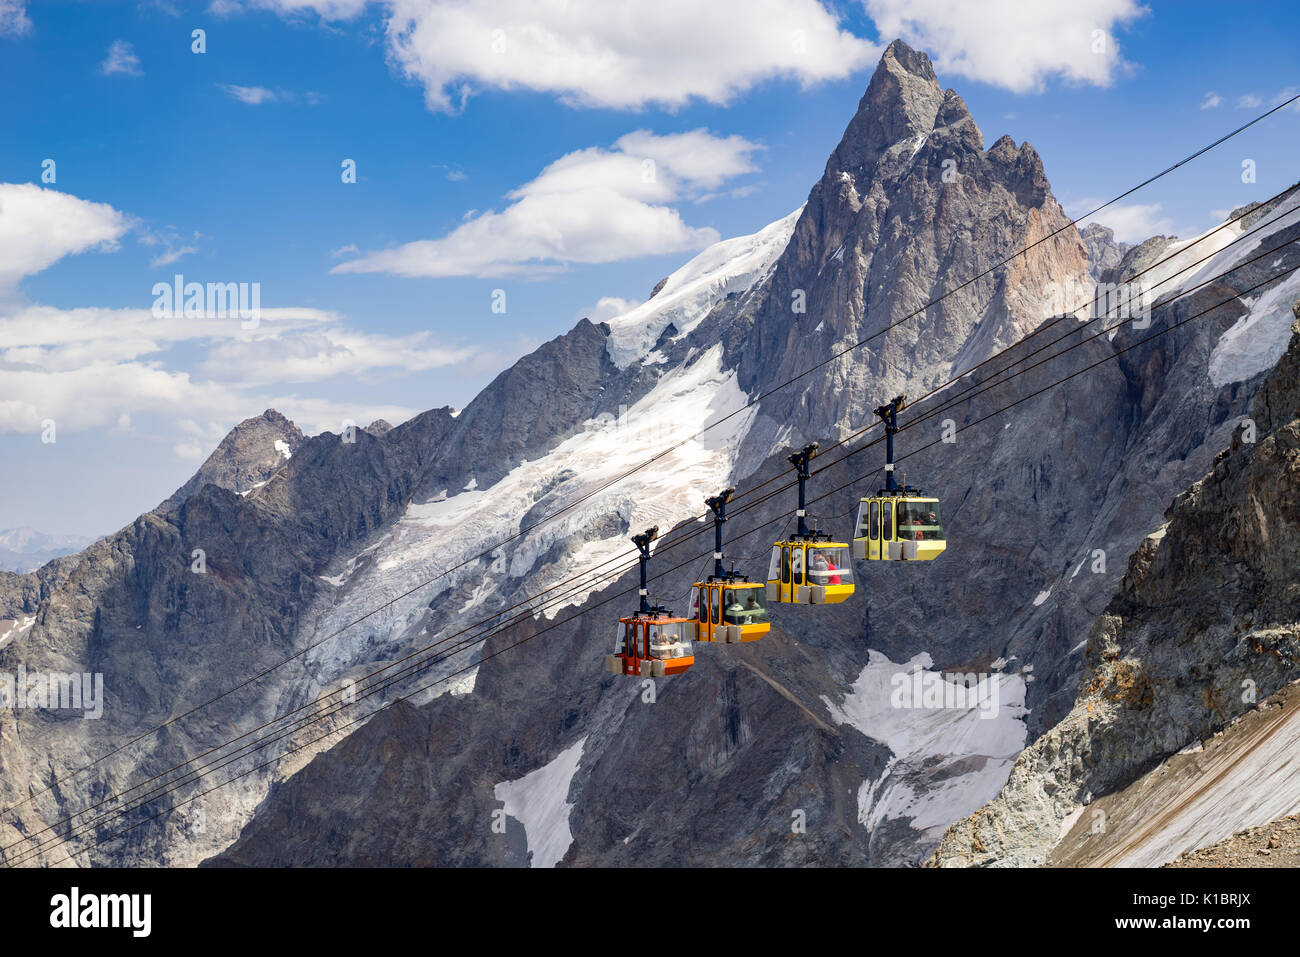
746	606
887	520
875	522
666	641
919	521
863	511
829	565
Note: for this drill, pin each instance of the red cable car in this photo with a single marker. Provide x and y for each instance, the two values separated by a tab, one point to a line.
651	643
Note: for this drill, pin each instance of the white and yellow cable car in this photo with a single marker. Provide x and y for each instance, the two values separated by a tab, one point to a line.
809	568
898	523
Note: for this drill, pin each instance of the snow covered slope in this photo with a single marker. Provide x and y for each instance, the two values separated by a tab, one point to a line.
727	267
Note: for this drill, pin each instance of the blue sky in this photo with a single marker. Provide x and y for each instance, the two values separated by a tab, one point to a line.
225	166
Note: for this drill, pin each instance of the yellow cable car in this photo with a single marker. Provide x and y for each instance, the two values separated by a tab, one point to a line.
651	643
809	568
898	523
727	607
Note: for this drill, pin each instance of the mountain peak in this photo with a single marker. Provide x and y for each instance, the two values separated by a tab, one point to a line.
900	104
899	54
246	458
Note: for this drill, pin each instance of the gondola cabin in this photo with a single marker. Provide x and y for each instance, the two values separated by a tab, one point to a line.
810	571
727	606
808	568
898	528
651	645
652	642
729	610
900	522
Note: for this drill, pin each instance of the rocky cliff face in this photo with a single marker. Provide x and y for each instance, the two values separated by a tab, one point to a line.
353	555
246	458
1205	624
1104	252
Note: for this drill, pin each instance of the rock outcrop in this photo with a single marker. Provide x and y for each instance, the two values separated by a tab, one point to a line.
1206	622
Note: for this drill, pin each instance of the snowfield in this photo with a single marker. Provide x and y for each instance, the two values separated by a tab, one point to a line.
539	801
732	265
948	761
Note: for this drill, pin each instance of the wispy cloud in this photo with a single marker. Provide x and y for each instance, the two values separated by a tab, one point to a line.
93	368
121	59
1249	101
594	205
1211	101
1133	223
173	245
13	18
252	95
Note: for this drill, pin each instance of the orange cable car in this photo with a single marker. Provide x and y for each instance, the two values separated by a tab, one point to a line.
651	643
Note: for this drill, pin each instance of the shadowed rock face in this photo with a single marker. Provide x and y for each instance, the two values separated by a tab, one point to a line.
1209	602
246	458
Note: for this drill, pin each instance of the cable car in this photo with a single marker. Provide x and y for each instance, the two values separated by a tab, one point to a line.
898	523
652	642
809	568
726	606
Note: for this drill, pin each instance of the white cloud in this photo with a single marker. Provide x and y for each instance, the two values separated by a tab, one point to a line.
87	368
1249	101
171	255
121	59
1211	100
13	18
1286	94
252	95
594	53
609	307
1010	43
318	355
591	206
38	227
1132	224
174	246
90	368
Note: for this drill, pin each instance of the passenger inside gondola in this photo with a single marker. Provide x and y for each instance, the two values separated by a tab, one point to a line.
919	521
824	572
665	643
745	609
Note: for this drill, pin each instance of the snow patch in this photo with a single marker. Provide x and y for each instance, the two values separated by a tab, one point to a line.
1042	597
1257	340
539	801
12	628
947	762
282	447
732	265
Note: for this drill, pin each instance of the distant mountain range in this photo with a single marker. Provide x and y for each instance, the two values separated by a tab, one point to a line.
26	549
